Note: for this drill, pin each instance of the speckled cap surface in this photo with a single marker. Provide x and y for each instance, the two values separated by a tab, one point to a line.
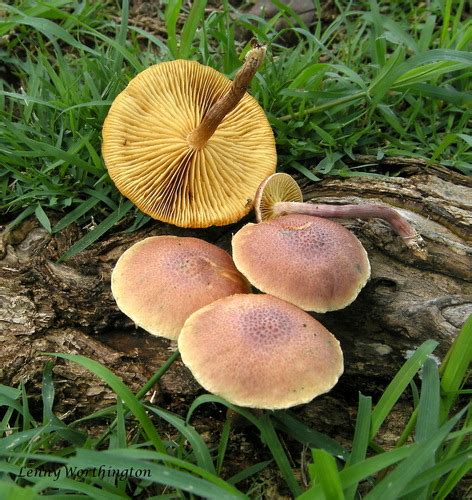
149	158
312	262
161	280
260	351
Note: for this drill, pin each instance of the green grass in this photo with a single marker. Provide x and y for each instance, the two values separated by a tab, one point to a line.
384	80
436	457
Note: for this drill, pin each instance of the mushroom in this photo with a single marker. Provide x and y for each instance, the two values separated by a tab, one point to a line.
314	263
159	281
260	351
279	194
188	146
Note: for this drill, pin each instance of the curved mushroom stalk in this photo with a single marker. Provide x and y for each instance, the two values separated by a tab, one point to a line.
278	196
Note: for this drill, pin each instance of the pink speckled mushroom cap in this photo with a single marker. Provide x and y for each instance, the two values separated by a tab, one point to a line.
260	351
160	281
312	262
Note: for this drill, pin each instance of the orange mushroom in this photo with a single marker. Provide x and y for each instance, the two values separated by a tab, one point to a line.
188	146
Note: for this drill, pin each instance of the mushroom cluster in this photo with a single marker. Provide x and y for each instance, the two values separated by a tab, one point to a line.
179	142
254	350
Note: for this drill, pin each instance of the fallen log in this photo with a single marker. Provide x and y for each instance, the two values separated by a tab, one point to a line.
67	307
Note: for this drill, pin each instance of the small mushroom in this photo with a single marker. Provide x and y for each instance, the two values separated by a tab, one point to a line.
279	194
186	145
314	263
276	188
159	281
260	351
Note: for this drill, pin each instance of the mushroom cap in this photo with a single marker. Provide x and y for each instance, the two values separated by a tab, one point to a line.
160	281
277	187
148	156
312	262
260	351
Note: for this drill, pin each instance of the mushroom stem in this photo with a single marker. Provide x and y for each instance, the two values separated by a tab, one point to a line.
216	114
364	211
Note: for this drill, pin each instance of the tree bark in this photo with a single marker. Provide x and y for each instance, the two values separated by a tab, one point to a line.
68	307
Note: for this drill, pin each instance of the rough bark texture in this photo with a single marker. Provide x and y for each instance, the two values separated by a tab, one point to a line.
68	307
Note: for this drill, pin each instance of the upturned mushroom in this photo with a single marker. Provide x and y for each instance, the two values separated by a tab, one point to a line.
260	351
314	263
186	145
279	194
160	281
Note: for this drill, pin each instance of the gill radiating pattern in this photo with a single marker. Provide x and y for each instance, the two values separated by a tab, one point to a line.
279	187
148	156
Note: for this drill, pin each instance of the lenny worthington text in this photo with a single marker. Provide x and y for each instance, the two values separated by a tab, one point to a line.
103	471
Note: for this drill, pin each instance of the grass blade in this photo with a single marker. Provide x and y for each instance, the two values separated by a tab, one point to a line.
196	15
325	473
299	431
171	16
198	445
250	471
43	218
223	444
425	478
121	391
427	422
455	366
49	418
75	214
96	233
452	480
270	437
399	384
121	36
360	442
21	217
53	31
365	469
207	485
392	486
12	491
